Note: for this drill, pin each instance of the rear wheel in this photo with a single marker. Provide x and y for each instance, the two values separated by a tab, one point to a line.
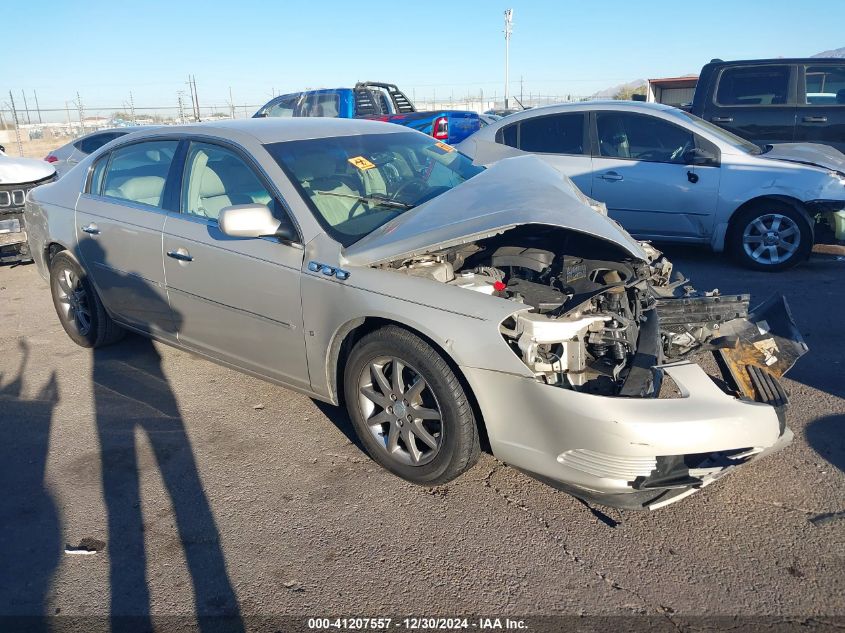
770	236
409	408
80	310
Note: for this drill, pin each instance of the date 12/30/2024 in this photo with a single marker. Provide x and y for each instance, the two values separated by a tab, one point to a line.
416	624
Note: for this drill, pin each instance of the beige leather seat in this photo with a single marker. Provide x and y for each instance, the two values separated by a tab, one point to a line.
144	189
319	176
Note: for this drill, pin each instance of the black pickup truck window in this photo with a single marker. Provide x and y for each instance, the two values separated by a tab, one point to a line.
825	85
753	85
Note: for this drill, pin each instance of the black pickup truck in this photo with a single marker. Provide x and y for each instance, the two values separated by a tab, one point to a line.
775	100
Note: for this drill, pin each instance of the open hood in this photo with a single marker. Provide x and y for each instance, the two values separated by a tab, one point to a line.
513	192
808	154
20	171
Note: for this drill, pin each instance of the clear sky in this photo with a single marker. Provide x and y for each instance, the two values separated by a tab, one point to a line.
104	50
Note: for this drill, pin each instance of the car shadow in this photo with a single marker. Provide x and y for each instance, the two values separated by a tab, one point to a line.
827	437
30	529
340	418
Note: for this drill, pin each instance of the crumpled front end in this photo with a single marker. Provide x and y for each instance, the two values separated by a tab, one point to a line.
13	234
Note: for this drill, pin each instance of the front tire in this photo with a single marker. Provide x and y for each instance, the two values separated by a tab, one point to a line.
770	236
408	407
78	306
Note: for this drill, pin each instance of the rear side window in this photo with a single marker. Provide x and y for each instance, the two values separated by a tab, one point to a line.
138	172
825	85
321	105
555	134
508	135
96	141
753	85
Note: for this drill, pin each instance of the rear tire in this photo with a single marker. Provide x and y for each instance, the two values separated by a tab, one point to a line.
770	236
78	305
415	422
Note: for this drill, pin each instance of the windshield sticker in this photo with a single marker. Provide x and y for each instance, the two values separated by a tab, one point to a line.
444	147
361	163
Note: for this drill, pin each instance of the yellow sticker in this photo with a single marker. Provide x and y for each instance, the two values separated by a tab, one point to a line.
361	163
444	147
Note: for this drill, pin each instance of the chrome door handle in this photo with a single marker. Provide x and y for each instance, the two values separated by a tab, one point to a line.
815	119
722	119
182	255
91	229
611	175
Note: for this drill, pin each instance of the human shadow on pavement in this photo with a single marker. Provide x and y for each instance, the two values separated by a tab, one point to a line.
827	437
30	531
132	393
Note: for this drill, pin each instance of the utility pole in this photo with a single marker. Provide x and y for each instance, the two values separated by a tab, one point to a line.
181	107
81	115
17	128
37	107
520	89
132	108
231	103
196	96
25	106
508	31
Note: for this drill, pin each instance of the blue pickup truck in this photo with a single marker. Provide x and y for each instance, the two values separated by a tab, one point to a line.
374	100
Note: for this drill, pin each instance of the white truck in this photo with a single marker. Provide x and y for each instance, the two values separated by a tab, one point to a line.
17	177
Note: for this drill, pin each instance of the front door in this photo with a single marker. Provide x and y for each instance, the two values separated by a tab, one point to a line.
821	106
235	299
119	220
640	172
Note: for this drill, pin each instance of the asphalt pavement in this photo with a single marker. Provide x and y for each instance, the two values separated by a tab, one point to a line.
201	490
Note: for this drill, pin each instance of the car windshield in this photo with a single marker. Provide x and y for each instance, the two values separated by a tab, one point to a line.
723	135
354	184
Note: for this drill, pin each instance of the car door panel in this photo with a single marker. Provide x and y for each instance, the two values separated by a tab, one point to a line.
639	173
237	300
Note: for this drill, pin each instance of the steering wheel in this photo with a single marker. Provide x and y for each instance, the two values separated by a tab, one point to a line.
683	149
419	183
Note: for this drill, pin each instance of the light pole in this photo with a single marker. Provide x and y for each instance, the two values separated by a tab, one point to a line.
508	31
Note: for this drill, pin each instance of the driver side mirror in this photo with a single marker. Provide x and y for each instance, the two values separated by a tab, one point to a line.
253	220
699	156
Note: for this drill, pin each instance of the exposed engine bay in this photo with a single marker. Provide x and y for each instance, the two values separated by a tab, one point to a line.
598	319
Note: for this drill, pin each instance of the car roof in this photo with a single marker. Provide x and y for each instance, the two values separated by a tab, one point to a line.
274	130
776	60
605	104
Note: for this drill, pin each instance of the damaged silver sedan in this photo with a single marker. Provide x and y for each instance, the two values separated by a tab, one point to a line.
439	301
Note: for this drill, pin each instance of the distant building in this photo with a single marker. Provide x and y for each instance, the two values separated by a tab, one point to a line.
672	91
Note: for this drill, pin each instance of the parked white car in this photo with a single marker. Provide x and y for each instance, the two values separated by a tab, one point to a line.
68	155
667	175
17	177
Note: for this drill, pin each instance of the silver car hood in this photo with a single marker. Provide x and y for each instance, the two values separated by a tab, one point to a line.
513	192
808	154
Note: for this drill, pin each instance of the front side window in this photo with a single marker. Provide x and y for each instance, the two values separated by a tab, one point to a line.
138	172
641	137
753	85
283	108
95	185
215	178
825	85
354	184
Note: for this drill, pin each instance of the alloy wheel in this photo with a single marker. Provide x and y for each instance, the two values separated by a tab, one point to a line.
401	411
771	239
75	308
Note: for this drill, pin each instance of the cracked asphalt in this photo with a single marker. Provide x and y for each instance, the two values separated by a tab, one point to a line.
217	493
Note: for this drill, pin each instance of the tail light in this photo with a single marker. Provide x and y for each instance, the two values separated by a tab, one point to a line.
440	128
51	159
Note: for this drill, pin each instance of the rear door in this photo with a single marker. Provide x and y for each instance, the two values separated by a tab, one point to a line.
563	140
640	172
821	104
234	299
119	220
756	102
